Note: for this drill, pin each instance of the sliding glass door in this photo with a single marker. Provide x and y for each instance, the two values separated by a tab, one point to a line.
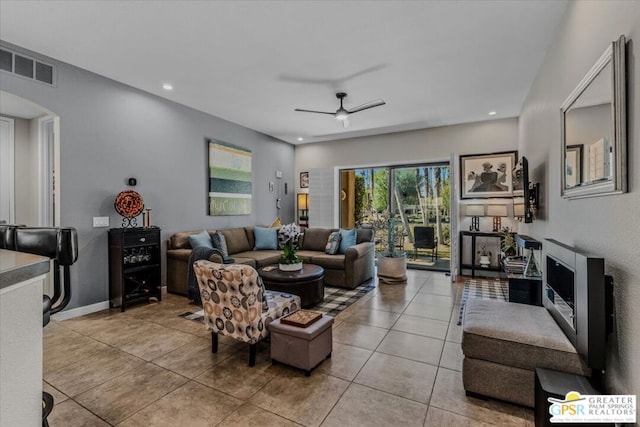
418	197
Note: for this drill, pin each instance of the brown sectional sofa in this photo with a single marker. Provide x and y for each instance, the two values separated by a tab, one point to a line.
346	270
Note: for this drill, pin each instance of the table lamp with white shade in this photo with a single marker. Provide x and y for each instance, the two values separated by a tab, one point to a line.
475	211
497	212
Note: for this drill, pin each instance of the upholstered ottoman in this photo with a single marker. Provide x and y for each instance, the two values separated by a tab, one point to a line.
504	342
303	348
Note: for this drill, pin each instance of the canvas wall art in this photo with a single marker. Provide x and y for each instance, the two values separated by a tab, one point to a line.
229	179
304	179
487	175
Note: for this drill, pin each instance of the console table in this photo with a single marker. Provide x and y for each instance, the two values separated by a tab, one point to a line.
473	266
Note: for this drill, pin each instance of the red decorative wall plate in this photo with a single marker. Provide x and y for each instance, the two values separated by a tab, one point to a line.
129	203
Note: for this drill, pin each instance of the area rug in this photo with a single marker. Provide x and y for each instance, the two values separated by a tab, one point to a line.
335	300
484	289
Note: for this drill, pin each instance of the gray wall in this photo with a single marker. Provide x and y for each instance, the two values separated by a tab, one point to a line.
110	131
411	147
434	144
609	226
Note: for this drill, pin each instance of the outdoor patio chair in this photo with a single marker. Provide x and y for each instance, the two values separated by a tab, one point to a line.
424	238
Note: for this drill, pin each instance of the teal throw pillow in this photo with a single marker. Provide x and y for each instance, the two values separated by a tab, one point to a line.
201	239
266	238
347	239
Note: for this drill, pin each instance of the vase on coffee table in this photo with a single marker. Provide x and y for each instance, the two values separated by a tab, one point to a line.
290	267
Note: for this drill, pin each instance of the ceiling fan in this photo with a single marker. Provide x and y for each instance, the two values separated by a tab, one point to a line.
342	113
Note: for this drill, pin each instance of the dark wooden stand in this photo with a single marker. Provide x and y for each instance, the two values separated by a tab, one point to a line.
134	265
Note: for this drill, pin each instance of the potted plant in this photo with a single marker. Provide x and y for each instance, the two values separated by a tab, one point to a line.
289	261
508	246
485	256
392	263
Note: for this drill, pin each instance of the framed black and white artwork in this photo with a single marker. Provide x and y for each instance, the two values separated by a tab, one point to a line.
485	176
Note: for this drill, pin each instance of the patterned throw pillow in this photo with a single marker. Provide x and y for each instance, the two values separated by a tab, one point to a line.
333	243
220	243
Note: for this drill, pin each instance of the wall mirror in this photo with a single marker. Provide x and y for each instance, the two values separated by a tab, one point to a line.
593	120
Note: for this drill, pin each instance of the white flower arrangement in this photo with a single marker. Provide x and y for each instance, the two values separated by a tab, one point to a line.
291	232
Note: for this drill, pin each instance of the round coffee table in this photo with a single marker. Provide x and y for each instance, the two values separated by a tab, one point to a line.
307	283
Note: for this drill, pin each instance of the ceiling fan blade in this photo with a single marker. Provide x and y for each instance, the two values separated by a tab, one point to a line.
314	111
345	123
367	105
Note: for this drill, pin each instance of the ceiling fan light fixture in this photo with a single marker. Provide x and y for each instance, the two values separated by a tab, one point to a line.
342	114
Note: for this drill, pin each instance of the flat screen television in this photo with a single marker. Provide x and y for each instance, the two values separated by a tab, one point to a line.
522	188
578	294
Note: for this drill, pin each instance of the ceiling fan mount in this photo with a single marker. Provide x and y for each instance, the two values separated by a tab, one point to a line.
342	113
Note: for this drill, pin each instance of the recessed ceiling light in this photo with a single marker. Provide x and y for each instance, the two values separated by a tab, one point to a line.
167	86
301	139
492	113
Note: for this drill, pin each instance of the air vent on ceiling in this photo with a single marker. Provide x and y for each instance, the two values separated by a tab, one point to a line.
27	67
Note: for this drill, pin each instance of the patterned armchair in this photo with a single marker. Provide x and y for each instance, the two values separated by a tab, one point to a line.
236	303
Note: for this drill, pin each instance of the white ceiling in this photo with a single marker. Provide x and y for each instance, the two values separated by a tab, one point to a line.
434	63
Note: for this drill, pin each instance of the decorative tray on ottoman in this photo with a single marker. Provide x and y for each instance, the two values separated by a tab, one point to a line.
301	318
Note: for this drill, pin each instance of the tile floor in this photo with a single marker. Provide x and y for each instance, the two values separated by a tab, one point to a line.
396	362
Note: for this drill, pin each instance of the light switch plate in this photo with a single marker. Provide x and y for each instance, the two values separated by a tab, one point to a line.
278	174
100	221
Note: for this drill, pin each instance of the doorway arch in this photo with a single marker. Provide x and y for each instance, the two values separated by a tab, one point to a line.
33	151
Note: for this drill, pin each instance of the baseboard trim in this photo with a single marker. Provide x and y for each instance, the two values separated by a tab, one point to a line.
81	311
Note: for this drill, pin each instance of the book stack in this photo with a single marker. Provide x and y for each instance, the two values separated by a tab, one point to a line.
514	264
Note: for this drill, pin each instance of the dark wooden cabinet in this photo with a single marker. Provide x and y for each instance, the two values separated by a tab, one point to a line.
134	265
525	290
